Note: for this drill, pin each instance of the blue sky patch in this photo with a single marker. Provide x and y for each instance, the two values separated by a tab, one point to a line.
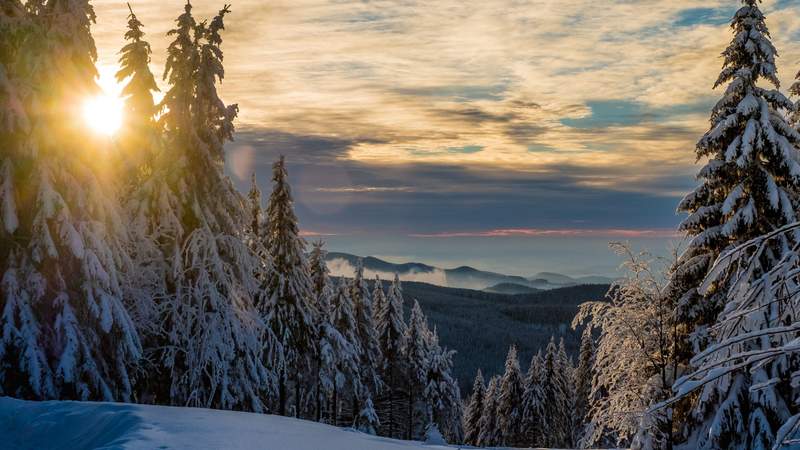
702	16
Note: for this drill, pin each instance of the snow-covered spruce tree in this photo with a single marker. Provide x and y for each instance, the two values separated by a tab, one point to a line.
472	413
336	356
209	345
370	356
254	208
64	329
756	340
289	310
566	377
348	365
557	408
415	355
534	422
367	420
635	360
794	90
441	394
378	302
509	402
490	432
583	381
749	181
138	137
391	334
750	188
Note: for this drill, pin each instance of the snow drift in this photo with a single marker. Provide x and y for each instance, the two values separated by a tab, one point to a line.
70	425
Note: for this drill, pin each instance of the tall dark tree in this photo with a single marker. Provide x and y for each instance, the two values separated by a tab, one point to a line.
209	342
509	402
289	310
391	339
749	188
472	414
139	134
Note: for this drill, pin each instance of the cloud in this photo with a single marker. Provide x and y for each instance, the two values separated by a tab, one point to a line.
561	232
539	112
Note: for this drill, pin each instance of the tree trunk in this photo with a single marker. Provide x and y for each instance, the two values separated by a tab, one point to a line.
282	394
297	395
410	410
319	399
335	412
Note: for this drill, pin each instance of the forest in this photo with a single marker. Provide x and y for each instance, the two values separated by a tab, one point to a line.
146	277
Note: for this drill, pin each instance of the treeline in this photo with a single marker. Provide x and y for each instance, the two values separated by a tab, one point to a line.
149	278
532	409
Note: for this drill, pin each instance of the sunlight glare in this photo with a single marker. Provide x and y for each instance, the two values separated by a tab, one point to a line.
103	113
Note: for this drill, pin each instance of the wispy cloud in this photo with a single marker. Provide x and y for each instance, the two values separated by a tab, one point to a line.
560	232
366	189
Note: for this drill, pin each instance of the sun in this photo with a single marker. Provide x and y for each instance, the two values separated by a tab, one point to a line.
103	112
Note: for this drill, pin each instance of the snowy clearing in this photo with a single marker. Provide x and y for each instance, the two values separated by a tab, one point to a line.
88	425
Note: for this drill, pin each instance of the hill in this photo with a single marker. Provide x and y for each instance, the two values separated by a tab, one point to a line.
464	277
510	288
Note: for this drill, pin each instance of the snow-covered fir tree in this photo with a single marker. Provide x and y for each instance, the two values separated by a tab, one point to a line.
749	188
367	420
441	394
473	411
254	208
208	347
378	302
139	134
391	338
348	365
415	355
288	307
490	431
336	356
367	335
534	421
64	329
558	410
509	402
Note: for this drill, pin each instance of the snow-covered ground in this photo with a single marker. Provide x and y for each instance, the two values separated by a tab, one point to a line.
87	425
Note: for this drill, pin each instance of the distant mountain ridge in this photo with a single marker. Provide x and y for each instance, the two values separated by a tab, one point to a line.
463	277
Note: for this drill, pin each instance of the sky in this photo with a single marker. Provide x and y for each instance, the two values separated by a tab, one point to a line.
428	124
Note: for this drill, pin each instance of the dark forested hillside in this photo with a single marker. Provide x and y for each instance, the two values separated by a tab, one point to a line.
480	326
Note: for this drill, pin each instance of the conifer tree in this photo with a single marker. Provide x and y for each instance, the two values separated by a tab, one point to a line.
210	340
474	409
749	188
556	407
367	420
391	334
490	432
254	203
139	134
415	354
378	302
441	394
335	354
349	363
534	421
289	310
64	330
370	356
749	184
509	402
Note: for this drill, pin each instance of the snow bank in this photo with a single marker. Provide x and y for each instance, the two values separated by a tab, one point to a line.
85	425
